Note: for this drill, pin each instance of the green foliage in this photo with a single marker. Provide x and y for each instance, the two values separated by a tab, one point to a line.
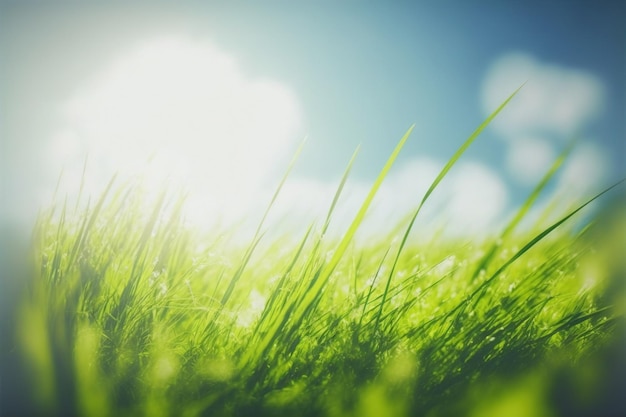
129	313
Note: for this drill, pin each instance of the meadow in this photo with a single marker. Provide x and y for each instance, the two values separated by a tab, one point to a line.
126	312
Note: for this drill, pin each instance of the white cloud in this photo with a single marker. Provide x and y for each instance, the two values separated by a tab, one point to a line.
405	186
584	171
529	158
192	112
470	200
555	104
302	201
581	176
555	100
478	198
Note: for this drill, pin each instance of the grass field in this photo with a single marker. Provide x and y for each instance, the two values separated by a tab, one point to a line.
127	312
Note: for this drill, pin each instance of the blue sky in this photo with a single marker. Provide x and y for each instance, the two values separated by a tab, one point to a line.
120	83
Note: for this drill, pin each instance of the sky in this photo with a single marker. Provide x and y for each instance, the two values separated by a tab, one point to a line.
214	99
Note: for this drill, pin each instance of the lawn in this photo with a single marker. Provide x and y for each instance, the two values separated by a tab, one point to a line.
127	312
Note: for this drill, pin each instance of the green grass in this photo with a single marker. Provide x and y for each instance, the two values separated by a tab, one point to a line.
129	313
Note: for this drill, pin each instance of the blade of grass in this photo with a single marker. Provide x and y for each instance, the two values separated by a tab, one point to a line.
269	307
257	235
82	184
539	237
89	221
356	222
432	188
371	289
296	311
344	178
523	210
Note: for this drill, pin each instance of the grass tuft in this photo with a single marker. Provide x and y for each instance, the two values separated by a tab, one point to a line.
129	313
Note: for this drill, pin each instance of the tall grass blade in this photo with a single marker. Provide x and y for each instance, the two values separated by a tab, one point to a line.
540	236
257	235
89	221
523	210
297	309
344	178
432	188
347	238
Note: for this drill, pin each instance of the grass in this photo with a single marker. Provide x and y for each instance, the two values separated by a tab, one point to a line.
129	313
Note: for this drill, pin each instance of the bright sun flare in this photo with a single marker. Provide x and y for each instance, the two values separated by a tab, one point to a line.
180	111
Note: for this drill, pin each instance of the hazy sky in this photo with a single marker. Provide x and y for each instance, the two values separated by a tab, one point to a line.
218	97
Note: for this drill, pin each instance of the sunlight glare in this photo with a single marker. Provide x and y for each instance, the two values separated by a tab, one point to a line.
182	111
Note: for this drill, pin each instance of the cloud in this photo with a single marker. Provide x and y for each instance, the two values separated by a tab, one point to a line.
582	175
555	100
178	110
556	104
469	201
584	171
183	112
478	198
529	158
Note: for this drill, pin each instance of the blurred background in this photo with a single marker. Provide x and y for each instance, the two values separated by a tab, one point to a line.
214	99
